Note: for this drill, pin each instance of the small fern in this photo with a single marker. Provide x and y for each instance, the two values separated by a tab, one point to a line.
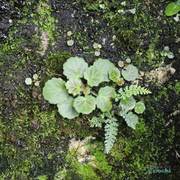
133	90
96	122
111	130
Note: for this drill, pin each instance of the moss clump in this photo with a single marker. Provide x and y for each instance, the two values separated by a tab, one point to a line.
131	155
74	129
134	155
44	19
103	167
82	171
30	144
141	28
96	166
81	38
55	61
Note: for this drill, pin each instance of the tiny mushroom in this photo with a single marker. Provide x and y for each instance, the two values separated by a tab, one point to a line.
70	42
28	81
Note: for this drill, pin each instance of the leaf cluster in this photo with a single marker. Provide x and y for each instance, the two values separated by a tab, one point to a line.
82	93
74	97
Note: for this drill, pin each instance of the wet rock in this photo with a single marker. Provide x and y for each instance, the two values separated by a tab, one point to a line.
161	74
9	11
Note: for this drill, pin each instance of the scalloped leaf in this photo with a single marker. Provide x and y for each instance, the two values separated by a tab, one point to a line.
67	110
114	74
130	73
55	91
104	66
74	68
93	76
104	104
140	107
74	86
131	119
107	91
127	104
104	98
85	105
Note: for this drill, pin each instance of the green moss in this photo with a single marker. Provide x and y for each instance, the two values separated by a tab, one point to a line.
19	47
138	34
62	174
7	47
18	50
55	61
84	171
44	19
74	128
101	161
97	168
177	87
42	177
82	41
25	140
133	155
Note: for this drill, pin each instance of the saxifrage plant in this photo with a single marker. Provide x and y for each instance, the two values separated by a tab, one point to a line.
99	86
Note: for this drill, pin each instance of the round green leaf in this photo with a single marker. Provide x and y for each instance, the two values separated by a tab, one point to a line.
114	74
130	73
104	66
55	91
74	86
104	98
172	9
104	104
85	105
67	110
139	108
127	104
107	91
93	76
131	119
74	67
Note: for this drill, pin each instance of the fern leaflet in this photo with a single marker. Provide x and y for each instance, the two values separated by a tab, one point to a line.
96	122
133	90
111	130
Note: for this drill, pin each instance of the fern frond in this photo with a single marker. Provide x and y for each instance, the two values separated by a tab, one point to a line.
96	122
133	90
111	130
